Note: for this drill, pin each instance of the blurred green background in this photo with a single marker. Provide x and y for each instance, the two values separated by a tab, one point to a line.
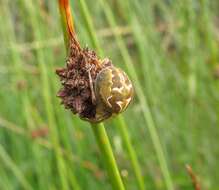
169	49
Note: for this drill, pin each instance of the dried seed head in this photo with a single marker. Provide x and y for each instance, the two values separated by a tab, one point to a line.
92	88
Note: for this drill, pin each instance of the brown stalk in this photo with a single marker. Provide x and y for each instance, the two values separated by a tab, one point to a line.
193	177
67	23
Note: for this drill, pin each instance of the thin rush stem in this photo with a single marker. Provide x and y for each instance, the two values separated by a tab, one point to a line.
119	122
67	21
107	156
98	129
142	98
131	152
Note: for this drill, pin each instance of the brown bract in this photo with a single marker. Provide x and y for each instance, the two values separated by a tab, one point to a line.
76	90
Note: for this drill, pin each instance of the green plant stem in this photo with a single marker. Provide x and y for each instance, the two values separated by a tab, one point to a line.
98	129
143	99
131	152
107	156
89	24
46	94
120	122
8	162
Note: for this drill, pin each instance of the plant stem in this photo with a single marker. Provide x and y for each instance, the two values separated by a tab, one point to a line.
107	155
142	98
89	24
120	122
98	129
8	162
67	21
131	152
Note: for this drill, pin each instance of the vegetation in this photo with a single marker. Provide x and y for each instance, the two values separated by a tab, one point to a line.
170	51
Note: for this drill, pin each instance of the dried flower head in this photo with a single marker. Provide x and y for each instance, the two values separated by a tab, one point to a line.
93	88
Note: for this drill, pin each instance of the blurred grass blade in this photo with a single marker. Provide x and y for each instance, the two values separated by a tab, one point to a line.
144	104
46	92
89	24
8	162
120	123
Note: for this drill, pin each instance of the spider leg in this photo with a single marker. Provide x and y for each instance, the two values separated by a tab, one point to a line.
93	97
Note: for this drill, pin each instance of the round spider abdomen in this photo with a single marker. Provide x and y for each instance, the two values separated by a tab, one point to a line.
113	89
